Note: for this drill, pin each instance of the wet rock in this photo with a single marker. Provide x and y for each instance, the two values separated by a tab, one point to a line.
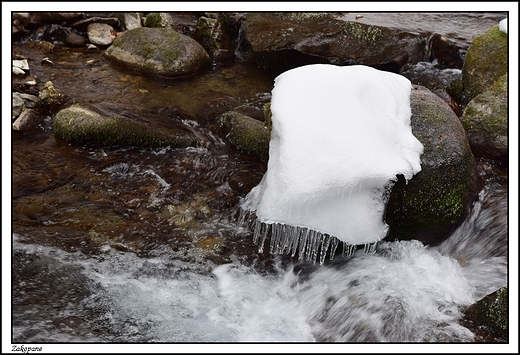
21	101
49	95
20	19
158	51
159	20
485	63
437	79
55	17
51	32
75	40
485	120
17	105
82	25
212	34
128	20
101	34
449	54
27	120
436	200
247	134
83	125
492	314
21	16
43	46
20	67
283	41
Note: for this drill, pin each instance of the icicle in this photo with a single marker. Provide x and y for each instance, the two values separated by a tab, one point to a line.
275	237
293	238
370	248
263	237
303	243
288	231
311	244
256	233
294	245
324	246
317	244
349	250
333	247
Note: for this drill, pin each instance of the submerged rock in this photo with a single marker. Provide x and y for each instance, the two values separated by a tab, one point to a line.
82	125
158	51
486	122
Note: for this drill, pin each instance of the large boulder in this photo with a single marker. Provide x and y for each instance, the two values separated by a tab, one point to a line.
436	200
485	63
84	125
158	51
485	120
282	41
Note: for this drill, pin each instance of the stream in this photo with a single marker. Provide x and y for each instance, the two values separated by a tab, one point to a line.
130	245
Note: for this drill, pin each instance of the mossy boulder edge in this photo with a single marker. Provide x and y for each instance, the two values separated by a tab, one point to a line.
158	51
83	125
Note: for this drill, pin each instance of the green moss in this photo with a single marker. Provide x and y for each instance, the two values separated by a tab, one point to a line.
153	20
77	124
485	62
487	113
362	33
493	311
268	116
302	16
247	134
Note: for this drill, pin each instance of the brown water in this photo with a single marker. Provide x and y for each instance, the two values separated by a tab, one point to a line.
120	244
83	196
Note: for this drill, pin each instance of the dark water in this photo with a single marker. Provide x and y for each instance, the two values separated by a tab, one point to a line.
120	244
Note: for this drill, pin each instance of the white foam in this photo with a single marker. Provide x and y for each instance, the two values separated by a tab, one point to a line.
340	135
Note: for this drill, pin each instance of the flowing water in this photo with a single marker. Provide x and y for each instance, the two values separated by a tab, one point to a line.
114	244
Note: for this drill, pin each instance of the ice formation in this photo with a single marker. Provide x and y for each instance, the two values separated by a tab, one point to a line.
340	136
502	26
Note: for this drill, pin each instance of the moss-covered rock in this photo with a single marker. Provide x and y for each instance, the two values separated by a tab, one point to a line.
436	200
159	20
492	313
485	62
83	125
158	51
247	134
283	41
485	120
